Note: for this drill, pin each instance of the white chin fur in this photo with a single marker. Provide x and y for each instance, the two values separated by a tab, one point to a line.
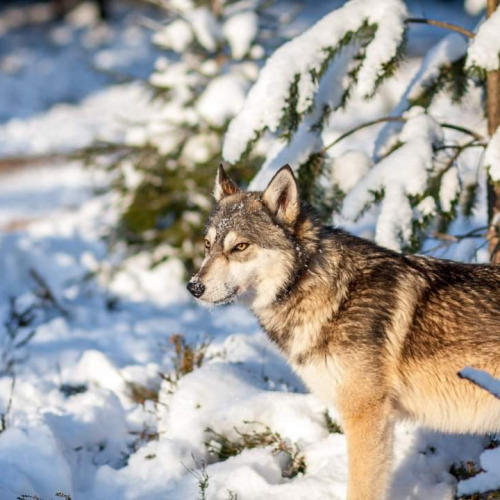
219	301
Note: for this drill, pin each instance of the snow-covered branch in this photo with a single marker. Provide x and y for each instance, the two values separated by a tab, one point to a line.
289	82
403	173
484	51
430	79
481	379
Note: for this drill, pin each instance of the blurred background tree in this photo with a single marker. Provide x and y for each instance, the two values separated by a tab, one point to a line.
164	169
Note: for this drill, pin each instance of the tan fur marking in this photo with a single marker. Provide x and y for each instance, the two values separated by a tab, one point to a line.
211	234
433	395
230	240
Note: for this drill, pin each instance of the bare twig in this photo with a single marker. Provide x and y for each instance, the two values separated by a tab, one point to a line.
362	126
200	475
3	417
449	239
46	292
464	130
398	119
460	148
441	24
475	233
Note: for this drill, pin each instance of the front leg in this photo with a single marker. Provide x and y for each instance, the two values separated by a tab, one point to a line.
369	431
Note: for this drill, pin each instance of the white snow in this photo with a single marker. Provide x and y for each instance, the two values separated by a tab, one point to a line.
176	75
489	475
427	206
49	188
43	62
348	169
104	115
450	189
306	141
240	31
205	27
305	53
484	50
200	148
482	379
475	7
177	36
32	462
492	156
404	172
488	479
223	98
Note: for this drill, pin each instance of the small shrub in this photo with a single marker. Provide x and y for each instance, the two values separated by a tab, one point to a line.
466	470
186	358
3	416
23	318
223	447
201	476
140	393
144	436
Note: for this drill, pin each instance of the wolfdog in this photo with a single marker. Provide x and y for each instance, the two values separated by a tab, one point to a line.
378	334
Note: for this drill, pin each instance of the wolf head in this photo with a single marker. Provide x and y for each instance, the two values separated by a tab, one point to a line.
252	245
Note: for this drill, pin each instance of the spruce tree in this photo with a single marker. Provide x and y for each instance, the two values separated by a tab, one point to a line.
425	168
165	167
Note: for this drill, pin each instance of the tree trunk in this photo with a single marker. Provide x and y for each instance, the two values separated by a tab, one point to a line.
493	114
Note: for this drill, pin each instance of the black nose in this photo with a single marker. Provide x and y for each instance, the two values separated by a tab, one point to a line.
197	288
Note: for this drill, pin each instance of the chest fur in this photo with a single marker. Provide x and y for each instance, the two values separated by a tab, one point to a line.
322	376
304	332
298	325
312	356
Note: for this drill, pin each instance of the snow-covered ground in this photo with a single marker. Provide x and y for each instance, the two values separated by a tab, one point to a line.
44	62
97	396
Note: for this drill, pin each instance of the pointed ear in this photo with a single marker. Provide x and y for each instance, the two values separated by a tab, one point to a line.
224	186
282	196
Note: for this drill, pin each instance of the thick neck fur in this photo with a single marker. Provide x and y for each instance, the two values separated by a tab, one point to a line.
315	267
325	269
306	239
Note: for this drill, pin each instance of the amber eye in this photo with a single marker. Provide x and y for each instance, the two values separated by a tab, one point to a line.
240	247
207	245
